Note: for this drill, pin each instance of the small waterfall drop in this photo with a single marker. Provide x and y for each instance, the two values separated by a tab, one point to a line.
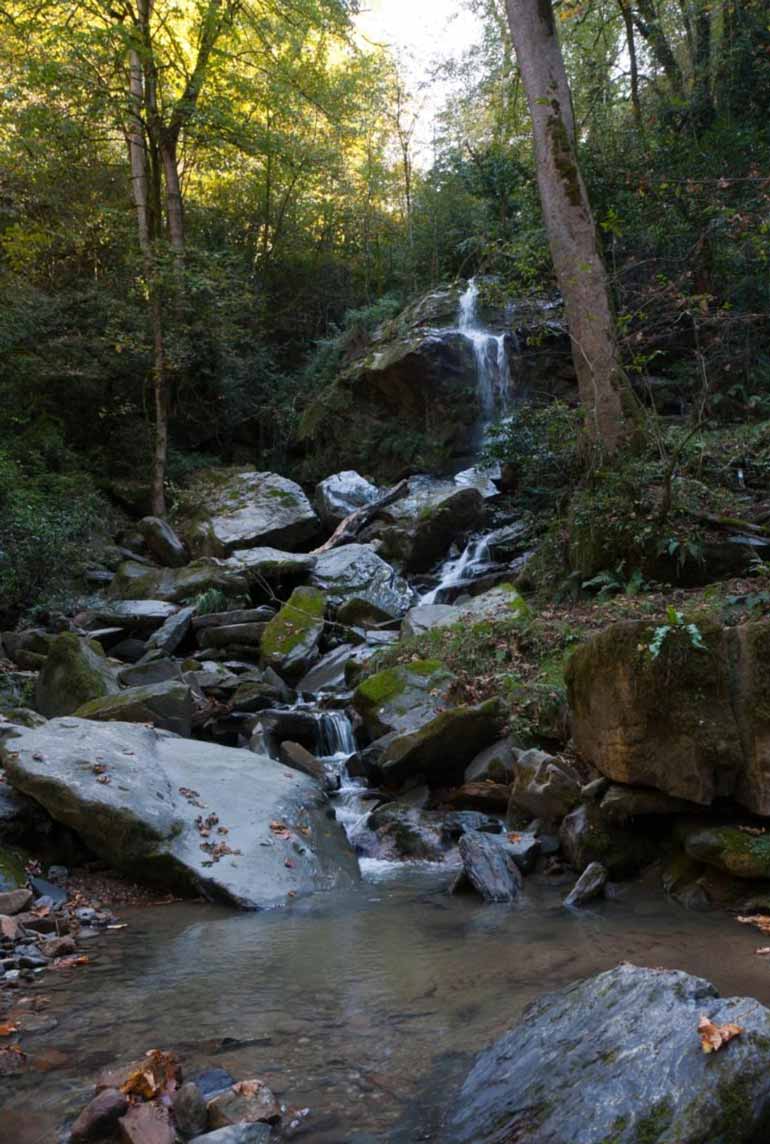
493	373
459	570
336	735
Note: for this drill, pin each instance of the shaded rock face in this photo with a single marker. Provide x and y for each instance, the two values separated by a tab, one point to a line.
617	1058
73	674
355	571
241	508
543	786
143	821
290	640
693	724
339	495
163	542
740	853
586	837
421	528
490	867
167	705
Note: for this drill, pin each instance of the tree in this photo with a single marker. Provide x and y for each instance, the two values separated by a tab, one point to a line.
572	234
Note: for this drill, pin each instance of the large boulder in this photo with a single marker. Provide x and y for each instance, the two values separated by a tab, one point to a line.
163	542
290	640
442	748
693	722
241	508
490	866
341	494
187	815
617	1058
136	582
742	852
543	786
586	837
356	572
423	525
403	698
167	704
74	673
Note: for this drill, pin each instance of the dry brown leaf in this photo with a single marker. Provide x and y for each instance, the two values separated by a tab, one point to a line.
714	1037
70	962
8	1030
761	921
158	1073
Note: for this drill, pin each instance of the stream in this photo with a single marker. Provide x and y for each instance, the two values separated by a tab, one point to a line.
360	1008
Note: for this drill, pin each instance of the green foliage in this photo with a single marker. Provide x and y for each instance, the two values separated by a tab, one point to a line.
540	445
676	624
210	601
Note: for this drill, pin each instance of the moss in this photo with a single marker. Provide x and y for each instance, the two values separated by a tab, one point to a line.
425	667
619	1126
303	613
379	688
652	1126
284	496
12	873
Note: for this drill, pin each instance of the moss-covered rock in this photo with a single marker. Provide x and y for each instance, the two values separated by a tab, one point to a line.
443	747
403	698
586	837
743	853
12	872
135	581
290	640
167	705
74	673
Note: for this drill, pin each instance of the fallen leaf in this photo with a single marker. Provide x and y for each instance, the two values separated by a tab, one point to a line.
158	1073
70	962
713	1037
761	921
8	1030
514	837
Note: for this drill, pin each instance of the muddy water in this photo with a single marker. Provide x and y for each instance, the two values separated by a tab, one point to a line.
362	1008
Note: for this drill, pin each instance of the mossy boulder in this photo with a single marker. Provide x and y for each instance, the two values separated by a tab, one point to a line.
12	873
403	698
742	853
443	747
356	572
160	538
167	705
135	581
586	837
241	508
74	673
421	538
290	640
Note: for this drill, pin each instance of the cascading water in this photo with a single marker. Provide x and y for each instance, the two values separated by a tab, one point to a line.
336	744
493	373
459	570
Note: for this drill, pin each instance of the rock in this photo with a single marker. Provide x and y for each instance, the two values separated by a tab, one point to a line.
356	571
670	723
237	617
294	755
129	650
524	848
58	947
620	803
172	632
241	508
459	822
492	798
73	674
741	853
159	670
13	876
426	617
212	1081
99	1118
403	698
141	615
230	635
440	749
270	564
276	726
50	890
144	823
589	885
587	837
167	705
543	786
146	1124
494	764
617	1058
490	867
403	832
341	494
243	1133
290	640
14	901
138	583
248	1100
327	673
421	540
190	1110
10	928
167	548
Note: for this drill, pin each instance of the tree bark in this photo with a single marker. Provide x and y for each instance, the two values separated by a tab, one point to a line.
572	235
628	21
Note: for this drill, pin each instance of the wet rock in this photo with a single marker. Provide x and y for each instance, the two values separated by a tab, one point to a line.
589	885
146	1124
172	632
58	947
341	494
159	670
587	837
248	1100
276	726
403	832
99	1118
190	1110
242	508
490	867
494	764
227	635
166	705
617	1058
356	571
14	901
524	849
140	615
160	538
426	617
300	759
741	853
459	822
403	698
212	1081
543	786
290	640
440	749
328	673
146	820
485	796
424	531
73	674
237	1134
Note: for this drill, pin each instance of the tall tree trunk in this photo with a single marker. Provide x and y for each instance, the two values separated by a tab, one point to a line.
628	20
648	22
571	230
174	217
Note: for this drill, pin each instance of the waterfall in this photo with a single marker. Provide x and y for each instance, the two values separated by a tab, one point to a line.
459	570
493	374
335	734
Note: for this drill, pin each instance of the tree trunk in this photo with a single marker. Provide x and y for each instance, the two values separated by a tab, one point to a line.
633	62
571	230
174	215
648	22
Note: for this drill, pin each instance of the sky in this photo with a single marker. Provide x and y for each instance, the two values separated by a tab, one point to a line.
420	32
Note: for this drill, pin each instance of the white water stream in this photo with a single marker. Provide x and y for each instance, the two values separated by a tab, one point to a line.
493	372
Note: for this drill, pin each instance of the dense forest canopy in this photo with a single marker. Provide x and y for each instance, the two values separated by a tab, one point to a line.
281	206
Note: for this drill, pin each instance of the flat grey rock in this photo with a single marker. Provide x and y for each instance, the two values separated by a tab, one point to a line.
143	820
